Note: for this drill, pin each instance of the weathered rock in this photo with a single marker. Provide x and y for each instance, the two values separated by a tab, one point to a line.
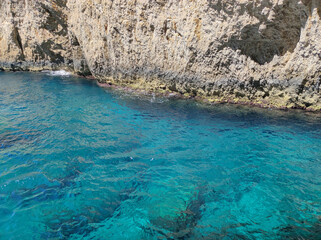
266	53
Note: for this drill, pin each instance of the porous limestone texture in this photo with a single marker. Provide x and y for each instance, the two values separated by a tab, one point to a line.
262	52
34	36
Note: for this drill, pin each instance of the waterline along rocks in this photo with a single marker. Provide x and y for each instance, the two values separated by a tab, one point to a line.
264	52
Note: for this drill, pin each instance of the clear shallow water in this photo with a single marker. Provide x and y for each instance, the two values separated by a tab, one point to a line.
81	162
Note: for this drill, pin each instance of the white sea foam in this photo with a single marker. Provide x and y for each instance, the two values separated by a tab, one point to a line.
58	73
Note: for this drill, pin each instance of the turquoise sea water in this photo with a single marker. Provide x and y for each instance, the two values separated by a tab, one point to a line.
81	162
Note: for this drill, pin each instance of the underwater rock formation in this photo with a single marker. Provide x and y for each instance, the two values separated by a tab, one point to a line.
265	53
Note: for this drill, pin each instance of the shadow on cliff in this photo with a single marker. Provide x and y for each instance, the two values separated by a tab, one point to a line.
277	32
318	7
55	22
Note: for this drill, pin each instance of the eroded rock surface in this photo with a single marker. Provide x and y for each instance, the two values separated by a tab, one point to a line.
261	52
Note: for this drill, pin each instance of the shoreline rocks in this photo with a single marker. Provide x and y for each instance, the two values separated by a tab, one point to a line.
264	53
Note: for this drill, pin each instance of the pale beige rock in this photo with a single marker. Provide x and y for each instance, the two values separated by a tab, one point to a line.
34	34
261	52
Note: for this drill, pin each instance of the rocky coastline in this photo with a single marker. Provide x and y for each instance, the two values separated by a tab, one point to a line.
263	53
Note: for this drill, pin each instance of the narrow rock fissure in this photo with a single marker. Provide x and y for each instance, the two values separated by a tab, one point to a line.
17	40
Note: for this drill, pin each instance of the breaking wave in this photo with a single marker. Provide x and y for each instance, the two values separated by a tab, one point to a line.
58	73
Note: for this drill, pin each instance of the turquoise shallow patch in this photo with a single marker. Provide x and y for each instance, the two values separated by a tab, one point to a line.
81	162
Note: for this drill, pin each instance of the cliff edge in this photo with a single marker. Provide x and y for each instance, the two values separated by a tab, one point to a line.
265	52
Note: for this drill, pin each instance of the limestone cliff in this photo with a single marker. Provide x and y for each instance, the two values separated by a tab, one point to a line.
264	52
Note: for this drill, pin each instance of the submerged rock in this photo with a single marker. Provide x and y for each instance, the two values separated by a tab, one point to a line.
265	53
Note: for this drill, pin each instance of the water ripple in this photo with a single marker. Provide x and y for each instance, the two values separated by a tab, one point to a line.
80	162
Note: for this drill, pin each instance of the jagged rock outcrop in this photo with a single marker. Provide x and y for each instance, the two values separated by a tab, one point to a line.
258	52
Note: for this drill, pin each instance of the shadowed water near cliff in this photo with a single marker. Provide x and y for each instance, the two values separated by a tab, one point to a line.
81	162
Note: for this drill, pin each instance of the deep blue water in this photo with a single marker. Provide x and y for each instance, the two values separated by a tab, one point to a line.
81	162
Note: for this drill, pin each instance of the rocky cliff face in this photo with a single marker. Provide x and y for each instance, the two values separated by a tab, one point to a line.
265	52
